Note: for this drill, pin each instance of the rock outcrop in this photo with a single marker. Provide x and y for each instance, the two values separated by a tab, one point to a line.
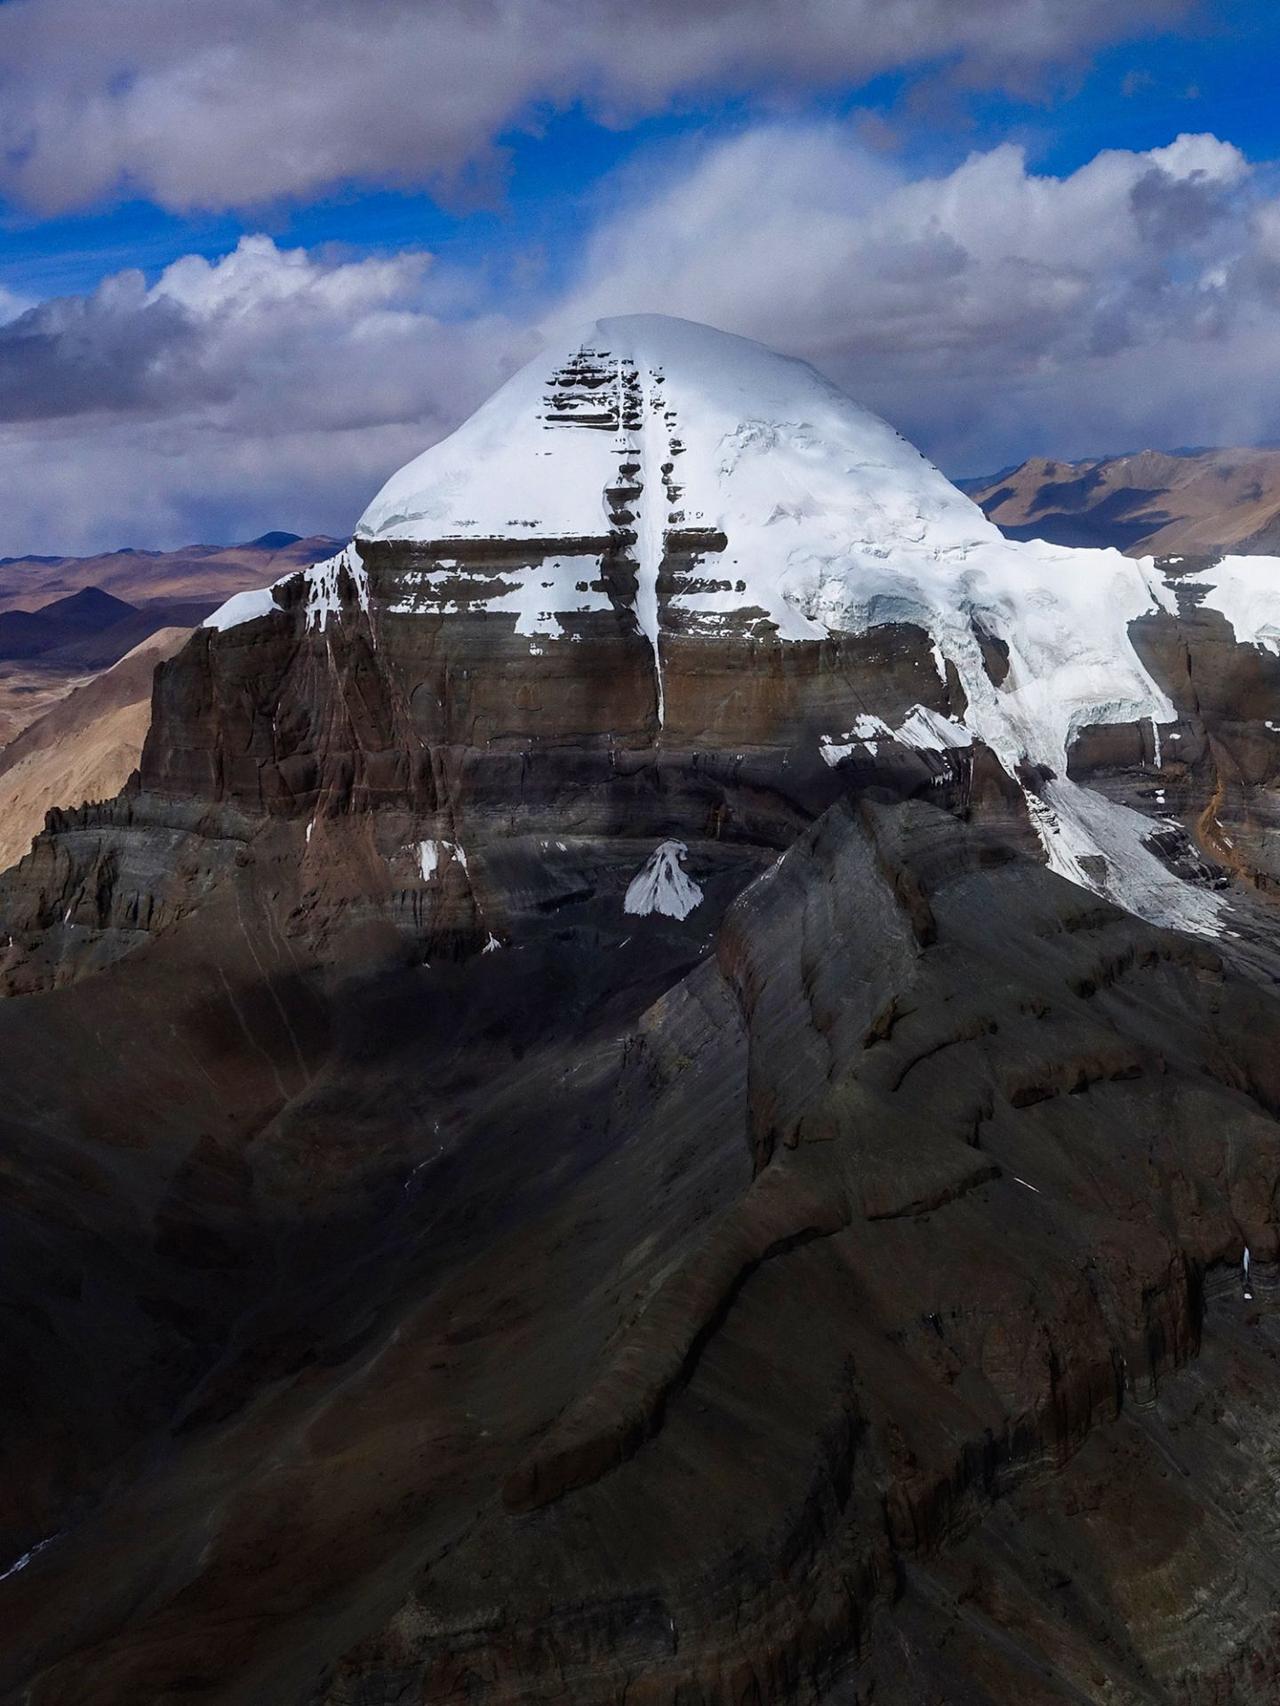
568	1137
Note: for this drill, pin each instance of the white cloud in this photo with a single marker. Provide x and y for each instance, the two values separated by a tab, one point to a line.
270	388
1200	157
989	312
220	103
11	305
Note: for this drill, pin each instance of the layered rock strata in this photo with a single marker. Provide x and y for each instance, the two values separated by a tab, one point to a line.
567	1139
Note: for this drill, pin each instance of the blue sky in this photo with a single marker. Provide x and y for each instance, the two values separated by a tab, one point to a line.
423	198
1208	74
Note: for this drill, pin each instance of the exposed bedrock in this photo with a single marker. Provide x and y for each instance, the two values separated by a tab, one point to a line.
562	1141
375	726
671	1328
438	781
1214	772
405	706
404	709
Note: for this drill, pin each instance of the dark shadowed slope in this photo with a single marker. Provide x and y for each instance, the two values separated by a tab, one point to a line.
563	1140
63	622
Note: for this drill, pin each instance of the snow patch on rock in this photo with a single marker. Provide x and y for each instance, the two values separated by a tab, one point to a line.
538	596
432	856
1246	590
922	729
324	583
930	731
661	886
1100	845
21	1563
242	607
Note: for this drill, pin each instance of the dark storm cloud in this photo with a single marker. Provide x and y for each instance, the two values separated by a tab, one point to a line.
219	103
113	351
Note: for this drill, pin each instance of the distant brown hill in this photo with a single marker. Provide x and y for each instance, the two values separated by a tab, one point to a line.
83	748
193	572
1152	502
63	619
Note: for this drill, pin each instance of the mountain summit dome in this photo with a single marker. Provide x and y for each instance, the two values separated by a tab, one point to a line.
788	492
661	539
732	438
750	499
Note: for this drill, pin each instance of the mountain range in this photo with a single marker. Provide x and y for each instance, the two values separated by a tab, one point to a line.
193	573
1152	503
63	619
663	1088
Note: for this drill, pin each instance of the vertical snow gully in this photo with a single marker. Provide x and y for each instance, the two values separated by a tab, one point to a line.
650	524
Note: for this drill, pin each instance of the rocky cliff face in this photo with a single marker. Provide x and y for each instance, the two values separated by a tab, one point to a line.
171	588
569	1139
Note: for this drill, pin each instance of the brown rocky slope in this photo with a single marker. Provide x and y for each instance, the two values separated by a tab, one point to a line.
1194	502
85	748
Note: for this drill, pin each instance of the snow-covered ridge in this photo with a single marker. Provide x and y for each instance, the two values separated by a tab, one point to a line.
1246	590
242	607
322	582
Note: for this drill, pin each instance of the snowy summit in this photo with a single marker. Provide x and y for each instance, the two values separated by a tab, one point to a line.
819	519
833	521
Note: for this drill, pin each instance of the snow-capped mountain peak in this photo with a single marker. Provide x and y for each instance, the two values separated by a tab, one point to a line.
685	485
691	430
810	516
